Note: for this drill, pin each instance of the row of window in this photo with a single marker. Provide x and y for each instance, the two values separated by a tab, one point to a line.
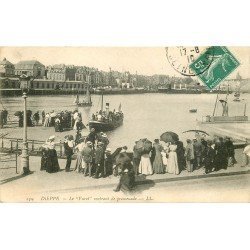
56	76
20	72
81	78
43	85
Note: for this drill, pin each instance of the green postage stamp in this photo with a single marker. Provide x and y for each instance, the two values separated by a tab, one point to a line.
214	65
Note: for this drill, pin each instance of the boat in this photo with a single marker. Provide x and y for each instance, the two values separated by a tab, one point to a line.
87	102
237	94
106	120
192	110
225	118
236	99
170	90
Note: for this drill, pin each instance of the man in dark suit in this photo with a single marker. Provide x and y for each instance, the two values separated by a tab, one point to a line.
99	160
68	149
136	159
92	137
209	157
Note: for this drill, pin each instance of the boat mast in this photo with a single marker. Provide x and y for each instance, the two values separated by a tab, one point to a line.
215	105
102	102
227	91
88	95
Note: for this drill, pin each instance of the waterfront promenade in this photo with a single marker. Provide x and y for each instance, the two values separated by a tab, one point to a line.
40	184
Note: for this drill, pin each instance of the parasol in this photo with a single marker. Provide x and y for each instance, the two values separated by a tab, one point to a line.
169	136
196	131
143	146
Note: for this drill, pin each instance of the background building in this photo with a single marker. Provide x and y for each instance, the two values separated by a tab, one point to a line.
82	74
61	72
31	68
6	68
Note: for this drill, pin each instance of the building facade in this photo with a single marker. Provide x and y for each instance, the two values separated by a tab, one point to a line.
51	84
31	68
6	68
61	72
89	75
82	74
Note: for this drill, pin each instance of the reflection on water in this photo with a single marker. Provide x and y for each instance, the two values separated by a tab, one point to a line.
145	115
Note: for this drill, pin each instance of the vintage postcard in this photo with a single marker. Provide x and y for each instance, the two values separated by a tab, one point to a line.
125	124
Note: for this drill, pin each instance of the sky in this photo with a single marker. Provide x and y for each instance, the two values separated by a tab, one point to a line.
144	60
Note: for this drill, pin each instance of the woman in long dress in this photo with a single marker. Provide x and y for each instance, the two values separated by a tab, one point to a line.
46	121
44	158
52	159
158	167
79	157
164	154
173	167
145	166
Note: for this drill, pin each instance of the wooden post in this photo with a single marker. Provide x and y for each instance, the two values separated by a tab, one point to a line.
215	104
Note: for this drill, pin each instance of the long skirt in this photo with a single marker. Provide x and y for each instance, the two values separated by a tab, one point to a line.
58	127
145	166
79	162
127	181
44	159
46	122
158	166
173	167
52	162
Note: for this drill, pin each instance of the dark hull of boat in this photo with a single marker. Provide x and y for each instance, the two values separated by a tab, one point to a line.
104	126
225	119
192	110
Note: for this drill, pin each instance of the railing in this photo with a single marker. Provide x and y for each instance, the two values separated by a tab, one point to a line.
11	145
8	158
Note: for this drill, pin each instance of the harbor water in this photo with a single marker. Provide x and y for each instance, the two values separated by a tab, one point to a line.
145	115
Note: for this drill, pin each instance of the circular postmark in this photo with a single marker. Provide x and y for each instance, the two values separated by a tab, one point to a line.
181	57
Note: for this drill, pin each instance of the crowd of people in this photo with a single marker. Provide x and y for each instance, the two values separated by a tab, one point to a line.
173	158
61	121
95	159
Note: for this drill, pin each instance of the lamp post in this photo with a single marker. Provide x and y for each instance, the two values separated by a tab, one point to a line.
24	85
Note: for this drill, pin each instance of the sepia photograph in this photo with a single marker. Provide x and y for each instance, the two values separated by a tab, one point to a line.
125	124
